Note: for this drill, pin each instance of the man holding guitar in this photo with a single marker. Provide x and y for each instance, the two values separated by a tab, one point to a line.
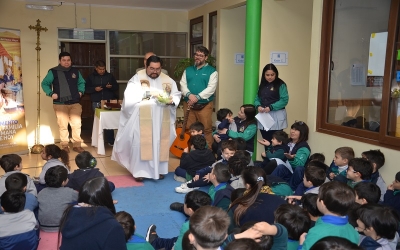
198	85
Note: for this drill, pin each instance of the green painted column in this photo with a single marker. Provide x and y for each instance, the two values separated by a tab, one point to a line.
252	54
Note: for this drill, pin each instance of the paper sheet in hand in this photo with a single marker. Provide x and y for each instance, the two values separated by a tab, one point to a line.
266	120
287	164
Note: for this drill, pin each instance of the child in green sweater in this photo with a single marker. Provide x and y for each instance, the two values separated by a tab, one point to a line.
334	200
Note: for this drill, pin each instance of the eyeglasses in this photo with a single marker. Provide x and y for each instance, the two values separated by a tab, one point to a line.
351	171
299	122
199	55
155	70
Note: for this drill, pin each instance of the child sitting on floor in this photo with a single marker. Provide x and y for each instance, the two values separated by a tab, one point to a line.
392	195
133	241
275	150
377	159
19	181
220	191
337	170
296	221
334	201
87	170
198	158
12	163
237	163
228	150
359	170
19	228
54	199
52	153
193	201
379	224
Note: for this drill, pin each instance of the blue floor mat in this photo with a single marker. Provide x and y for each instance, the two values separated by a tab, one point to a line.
149	204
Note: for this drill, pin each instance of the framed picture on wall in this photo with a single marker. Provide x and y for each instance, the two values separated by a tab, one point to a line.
196	33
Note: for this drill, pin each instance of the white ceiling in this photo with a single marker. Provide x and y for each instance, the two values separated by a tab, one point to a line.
148	4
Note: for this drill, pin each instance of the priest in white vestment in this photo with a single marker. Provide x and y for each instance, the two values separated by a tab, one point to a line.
147	122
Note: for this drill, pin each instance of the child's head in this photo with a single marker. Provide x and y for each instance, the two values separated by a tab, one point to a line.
241	143
228	148
317	157
223	114
396	182
336	198
318	164
265	242
13	201
376	157
239	161
367	192
343	155
194	200
96	192
359	169
377	221
127	223
334	243
279	137
309	202
294	218
208	227
56	176
16	181
314	176
243	244
198	142
85	160
196	128
220	173
11	162
52	151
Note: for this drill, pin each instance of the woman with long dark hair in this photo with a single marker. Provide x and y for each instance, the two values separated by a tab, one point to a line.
298	155
272	98
91	224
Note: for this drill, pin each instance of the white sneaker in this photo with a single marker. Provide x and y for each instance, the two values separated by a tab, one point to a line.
183	188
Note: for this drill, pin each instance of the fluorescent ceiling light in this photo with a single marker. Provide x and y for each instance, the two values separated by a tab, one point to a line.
39	7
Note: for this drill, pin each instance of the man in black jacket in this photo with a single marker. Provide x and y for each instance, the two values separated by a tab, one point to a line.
102	85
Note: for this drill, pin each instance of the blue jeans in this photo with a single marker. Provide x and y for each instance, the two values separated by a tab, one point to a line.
180	172
160	243
294	179
108	133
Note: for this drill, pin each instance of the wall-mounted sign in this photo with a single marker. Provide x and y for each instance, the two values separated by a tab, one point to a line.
239	58
279	57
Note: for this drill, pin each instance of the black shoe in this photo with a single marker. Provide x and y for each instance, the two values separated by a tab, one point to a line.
176	206
151	234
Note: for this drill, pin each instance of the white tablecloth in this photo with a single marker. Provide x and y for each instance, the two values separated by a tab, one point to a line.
106	120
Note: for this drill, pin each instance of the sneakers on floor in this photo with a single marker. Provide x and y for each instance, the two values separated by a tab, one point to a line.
151	234
179	179
183	188
176	206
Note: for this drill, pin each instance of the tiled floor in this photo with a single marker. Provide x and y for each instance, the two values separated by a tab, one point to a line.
33	163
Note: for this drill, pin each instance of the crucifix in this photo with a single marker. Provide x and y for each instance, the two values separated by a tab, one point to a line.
37	148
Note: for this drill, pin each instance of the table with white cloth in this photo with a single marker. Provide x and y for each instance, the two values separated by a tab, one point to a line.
103	119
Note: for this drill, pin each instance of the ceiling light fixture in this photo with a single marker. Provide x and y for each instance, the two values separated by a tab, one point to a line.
39	7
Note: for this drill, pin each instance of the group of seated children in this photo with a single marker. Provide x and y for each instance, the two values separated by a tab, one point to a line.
45	204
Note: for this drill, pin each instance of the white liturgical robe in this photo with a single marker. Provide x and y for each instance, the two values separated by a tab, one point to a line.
128	142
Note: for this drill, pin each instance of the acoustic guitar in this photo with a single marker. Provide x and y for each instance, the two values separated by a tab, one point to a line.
181	141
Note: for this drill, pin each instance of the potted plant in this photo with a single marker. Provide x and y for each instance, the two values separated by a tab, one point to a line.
186	62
